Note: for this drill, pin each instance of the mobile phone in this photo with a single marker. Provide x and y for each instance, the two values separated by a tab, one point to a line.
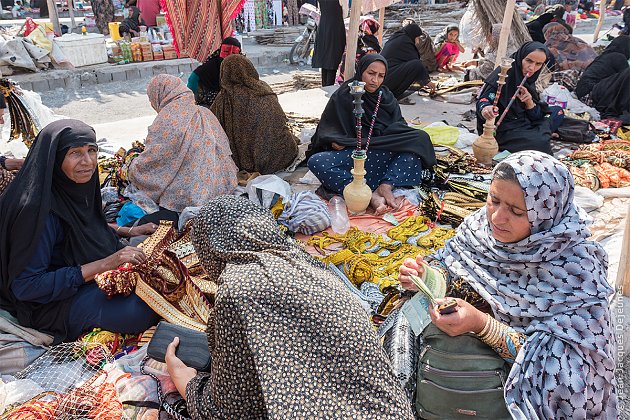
447	307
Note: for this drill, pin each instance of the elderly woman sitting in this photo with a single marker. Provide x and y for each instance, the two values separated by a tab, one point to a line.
54	239
397	154
273	353
532	285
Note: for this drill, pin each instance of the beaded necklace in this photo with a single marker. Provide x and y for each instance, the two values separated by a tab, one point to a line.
359	125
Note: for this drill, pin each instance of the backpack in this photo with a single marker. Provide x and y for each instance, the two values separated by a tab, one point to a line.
459	378
576	131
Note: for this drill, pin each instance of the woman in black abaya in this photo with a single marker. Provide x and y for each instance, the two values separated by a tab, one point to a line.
397	153
54	239
525	126
330	41
605	83
405	66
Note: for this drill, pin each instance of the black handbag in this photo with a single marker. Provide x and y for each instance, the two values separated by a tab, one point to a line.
576	131
192	349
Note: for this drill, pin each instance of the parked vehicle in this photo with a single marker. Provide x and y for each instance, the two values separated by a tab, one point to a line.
302	51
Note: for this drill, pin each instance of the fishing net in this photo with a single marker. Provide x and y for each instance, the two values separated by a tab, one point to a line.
72	385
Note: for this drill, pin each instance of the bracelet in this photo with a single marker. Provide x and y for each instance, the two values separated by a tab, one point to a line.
484	331
494	333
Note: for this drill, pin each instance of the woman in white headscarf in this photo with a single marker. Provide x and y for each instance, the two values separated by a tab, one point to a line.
525	259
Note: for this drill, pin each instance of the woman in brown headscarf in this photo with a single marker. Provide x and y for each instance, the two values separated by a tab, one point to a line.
253	119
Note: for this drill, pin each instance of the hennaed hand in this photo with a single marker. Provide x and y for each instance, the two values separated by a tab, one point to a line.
466	318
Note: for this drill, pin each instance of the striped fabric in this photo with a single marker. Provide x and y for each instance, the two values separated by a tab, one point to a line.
305	213
198	26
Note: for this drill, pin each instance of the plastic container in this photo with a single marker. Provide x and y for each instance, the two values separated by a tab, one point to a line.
338	215
83	50
114	30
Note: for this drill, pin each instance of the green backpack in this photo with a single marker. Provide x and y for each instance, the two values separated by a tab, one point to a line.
459	378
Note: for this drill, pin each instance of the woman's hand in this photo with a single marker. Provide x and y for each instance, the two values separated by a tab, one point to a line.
410	267
128	254
524	96
177	370
145	229
489	112
337	146
466	318
13	164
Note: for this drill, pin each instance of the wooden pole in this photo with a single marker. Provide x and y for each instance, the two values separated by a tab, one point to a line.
352	39
73	23
506	27
623	272
600	21
54	16
381	23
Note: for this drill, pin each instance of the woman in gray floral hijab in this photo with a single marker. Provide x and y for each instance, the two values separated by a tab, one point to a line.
287	338
527	257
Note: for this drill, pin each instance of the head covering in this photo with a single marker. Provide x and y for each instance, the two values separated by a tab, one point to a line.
253	119
305	213
551	286
401	47
442	37
515	76
209	72
412	31
41	187
365	62
132	22
296	325
569	52
391	132
370	26
536	26
620	44
186	160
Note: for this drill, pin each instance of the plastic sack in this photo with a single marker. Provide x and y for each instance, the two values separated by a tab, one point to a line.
129	213
587	199
141	200
557	95
443	135
262	190
187	214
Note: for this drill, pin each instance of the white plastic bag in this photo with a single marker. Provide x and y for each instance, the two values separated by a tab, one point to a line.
262	189
141	200
587	199
557	95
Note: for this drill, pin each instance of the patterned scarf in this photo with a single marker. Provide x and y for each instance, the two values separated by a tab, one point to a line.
551	286
305	345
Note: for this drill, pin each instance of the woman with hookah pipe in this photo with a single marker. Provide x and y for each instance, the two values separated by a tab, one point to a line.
525	125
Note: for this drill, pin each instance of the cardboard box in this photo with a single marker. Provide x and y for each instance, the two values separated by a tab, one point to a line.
170	55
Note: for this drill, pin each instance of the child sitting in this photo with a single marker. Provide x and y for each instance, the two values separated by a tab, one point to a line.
448	48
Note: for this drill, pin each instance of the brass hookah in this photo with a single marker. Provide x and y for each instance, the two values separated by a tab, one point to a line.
358	194
485	146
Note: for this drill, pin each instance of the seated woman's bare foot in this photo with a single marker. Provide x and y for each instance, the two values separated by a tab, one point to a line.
385	190
378	203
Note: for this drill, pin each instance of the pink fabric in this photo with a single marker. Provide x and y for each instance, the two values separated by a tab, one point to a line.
187	159
446	53
149	9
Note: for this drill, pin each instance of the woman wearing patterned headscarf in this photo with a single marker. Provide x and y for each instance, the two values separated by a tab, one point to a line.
186	160
570	52
287	338
249	111
526	261
525	126
605	84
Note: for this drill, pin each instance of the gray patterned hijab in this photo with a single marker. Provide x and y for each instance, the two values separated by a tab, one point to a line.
551	286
